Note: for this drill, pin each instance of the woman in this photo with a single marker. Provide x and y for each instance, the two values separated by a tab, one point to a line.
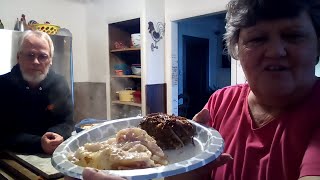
270	125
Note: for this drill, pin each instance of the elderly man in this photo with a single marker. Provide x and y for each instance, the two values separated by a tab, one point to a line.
36	108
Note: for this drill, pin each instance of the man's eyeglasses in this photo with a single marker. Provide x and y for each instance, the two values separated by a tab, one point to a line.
31	57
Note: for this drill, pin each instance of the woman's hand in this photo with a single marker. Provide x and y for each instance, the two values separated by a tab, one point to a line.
90	173
202	117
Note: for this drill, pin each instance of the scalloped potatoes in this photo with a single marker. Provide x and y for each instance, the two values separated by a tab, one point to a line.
132	148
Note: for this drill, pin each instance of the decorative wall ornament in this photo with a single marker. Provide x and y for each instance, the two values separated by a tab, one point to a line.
156	34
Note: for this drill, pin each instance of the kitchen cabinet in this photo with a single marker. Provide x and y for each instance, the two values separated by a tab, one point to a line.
150	55
122	55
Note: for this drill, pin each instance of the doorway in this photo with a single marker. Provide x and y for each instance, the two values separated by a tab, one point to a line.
195	78
199	67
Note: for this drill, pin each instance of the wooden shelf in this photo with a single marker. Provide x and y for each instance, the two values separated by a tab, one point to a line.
127	103
125	50
126	76
121	32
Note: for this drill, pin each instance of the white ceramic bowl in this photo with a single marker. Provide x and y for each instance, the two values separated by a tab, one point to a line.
135	39
136	70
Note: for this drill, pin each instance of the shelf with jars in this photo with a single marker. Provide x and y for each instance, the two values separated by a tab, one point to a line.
124	69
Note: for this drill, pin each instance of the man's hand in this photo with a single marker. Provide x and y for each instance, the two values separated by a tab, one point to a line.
50	141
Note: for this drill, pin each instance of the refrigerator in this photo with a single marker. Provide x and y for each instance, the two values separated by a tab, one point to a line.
62	59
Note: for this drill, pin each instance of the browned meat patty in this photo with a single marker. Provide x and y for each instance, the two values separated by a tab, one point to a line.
170	131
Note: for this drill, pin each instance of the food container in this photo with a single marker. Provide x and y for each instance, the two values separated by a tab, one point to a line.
126	95
47	28
135	40
119	72
126	70
137	96
136	70
87	124
119	45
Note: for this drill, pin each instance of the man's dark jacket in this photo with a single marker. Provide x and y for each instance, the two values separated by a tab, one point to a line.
26	113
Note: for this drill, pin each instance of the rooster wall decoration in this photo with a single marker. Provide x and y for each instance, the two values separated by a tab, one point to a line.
156	34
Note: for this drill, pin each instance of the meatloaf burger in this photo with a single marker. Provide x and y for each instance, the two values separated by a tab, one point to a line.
169	131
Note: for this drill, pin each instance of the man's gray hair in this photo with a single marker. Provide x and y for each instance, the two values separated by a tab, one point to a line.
39	34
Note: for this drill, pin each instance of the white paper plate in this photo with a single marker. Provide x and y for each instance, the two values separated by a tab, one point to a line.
208	146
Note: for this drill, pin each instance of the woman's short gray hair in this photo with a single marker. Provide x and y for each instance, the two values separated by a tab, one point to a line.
39	34
246	13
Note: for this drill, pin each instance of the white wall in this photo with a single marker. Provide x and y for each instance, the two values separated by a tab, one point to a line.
96	43
181	9
68	14
100	13
153	60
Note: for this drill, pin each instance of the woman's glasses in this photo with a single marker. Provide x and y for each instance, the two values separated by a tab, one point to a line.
32	56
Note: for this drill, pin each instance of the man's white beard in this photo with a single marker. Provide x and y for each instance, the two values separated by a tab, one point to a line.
35	78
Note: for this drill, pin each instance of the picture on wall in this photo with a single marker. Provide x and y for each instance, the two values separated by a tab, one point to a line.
157	33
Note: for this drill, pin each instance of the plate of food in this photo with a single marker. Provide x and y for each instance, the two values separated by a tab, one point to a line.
155	146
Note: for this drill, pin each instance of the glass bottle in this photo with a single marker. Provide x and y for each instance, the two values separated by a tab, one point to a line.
23	23
17	25
1	25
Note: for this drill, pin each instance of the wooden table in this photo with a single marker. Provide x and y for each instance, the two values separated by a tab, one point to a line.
26	167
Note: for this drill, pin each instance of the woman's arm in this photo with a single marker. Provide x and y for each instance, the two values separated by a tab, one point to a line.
310	178
310	166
